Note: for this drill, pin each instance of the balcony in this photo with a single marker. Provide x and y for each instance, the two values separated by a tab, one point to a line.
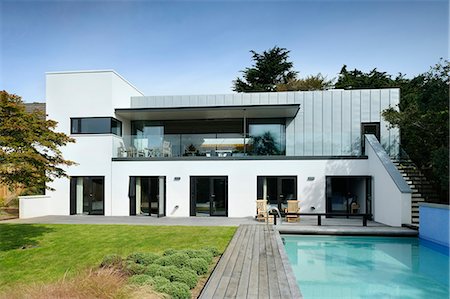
198	145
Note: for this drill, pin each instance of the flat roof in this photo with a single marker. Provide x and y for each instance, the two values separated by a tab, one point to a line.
209	112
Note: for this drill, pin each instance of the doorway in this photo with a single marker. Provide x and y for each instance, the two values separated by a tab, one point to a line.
209	196
349	194
87	195
147	196
369	128
277	190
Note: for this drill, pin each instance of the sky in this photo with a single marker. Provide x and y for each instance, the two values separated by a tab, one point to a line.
200	47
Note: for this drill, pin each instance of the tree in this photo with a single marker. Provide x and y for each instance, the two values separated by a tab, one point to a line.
312	82
29	148
357	79
270	68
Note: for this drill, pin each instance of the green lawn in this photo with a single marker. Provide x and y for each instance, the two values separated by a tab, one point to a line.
50	251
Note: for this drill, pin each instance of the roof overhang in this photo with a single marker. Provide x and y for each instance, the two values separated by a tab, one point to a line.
209	112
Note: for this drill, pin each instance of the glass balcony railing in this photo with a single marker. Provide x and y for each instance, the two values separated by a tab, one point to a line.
200	145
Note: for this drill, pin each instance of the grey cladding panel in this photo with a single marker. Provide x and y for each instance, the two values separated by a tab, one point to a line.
327	124
317	123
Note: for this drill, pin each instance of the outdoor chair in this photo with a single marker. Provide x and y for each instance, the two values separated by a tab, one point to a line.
261	210
292	207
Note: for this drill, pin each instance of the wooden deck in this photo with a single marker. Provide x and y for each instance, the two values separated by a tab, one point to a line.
254	265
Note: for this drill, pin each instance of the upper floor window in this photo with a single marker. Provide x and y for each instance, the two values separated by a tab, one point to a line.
96	125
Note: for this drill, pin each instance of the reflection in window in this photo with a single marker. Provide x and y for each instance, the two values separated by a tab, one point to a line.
267	139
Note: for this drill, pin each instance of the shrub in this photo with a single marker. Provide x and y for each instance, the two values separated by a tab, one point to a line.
131	268
184	275
213	250
173	273
199	265
111	260
176	290
169	251
176	259
159	280
141	279
155	270
201	253
144	258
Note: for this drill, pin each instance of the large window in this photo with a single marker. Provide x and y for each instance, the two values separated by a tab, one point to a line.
268	138
96	125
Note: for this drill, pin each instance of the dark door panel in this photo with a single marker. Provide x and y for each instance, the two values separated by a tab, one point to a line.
209	196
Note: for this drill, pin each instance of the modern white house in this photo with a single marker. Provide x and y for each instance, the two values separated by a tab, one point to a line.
215	155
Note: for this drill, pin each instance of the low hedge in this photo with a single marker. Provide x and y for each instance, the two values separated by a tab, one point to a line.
177	259
176	290
144	258
200	266
174	273
141	279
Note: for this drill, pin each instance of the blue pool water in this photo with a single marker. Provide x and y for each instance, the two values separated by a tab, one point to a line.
368	267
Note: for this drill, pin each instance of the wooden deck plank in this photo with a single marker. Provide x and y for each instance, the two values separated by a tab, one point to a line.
243	285
263	286
213	281
226	275
253	283
274	290
254	265
239	266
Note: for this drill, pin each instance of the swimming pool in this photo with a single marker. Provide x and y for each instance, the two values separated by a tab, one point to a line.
368	267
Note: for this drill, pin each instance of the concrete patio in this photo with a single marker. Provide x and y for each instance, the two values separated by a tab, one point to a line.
307	224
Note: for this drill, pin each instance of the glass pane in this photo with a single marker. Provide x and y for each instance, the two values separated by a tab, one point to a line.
116	127
267	139
218	198
154	195
95	125
145	196
97	196
202	196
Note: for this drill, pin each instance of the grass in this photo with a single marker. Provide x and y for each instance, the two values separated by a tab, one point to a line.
34	253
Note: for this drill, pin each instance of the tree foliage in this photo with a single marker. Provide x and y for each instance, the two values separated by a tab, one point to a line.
270	68
357	79
312	82
29	148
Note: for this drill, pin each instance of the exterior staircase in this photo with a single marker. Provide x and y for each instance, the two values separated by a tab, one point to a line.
421	188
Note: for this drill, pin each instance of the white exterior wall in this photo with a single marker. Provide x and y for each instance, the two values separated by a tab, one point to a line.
242	189
85	94
390	205
34	206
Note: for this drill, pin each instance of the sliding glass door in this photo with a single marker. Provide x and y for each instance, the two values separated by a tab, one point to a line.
147	196
87	195
209	196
